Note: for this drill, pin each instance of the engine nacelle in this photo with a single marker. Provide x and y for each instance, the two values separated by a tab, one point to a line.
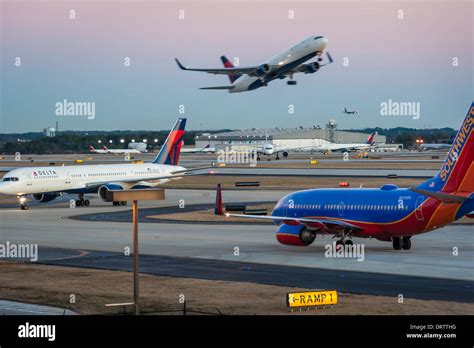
312	67
101	192
285	153
296	235
44	197
263	70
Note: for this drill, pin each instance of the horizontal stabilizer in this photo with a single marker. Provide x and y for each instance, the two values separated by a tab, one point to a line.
440	196
218	87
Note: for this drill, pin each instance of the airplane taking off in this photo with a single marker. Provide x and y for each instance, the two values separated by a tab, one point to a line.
281	66
47	183
389	213
354	112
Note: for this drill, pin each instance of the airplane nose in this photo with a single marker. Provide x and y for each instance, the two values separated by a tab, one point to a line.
323	41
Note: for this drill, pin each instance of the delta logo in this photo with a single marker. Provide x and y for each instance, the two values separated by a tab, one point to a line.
44	172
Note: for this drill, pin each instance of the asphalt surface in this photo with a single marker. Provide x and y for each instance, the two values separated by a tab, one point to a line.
312	278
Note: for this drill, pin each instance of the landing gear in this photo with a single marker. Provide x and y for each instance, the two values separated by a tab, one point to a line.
343	242
406	243
397	243
81	202
291	83
118	203
339	244
400	243
22	200
277	157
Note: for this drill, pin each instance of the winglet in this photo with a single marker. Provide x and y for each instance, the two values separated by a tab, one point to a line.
329	57
181	66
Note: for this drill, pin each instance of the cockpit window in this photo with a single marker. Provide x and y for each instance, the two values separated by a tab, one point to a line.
10	178
318	37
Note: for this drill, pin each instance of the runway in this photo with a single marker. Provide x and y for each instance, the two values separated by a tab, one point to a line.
431	255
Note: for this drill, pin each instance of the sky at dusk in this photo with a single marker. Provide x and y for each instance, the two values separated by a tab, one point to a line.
82	59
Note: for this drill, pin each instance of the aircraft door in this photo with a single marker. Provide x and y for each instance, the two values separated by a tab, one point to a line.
340	208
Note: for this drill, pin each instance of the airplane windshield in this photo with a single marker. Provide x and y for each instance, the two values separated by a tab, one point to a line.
11	178
318	37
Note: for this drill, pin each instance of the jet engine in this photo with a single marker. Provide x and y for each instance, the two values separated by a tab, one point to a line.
312	67
285	153
263	70
101	192
296	235
44	197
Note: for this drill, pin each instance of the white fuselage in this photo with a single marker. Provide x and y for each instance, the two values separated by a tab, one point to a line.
295	53
30	180
122	151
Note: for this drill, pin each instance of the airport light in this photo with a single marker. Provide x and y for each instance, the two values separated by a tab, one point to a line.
99	141
134	196
133	140
145	140
110	141
156	140
122	140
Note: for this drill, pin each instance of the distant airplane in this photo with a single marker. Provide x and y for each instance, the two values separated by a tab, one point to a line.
281	66
389	213
442	146
119	151
205	149
93	150
354	112
47	183
326	147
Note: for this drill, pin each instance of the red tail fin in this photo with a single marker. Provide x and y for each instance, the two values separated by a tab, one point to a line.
228	64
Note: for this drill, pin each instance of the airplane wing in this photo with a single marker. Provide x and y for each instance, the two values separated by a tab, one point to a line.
223	71
331	224
174	175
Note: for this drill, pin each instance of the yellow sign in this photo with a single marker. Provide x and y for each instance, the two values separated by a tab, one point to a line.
311	298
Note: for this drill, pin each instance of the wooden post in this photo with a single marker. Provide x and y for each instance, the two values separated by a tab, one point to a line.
135	256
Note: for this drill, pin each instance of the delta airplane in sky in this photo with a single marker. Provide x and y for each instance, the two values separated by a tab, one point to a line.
281	66
389	213
47	183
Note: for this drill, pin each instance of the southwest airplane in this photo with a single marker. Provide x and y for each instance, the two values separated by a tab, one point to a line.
47	183
389	213
281	66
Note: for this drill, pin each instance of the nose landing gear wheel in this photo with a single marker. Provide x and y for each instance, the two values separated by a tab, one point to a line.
397	243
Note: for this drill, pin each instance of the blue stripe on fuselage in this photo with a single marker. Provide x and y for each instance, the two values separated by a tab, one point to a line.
364	205
279	72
